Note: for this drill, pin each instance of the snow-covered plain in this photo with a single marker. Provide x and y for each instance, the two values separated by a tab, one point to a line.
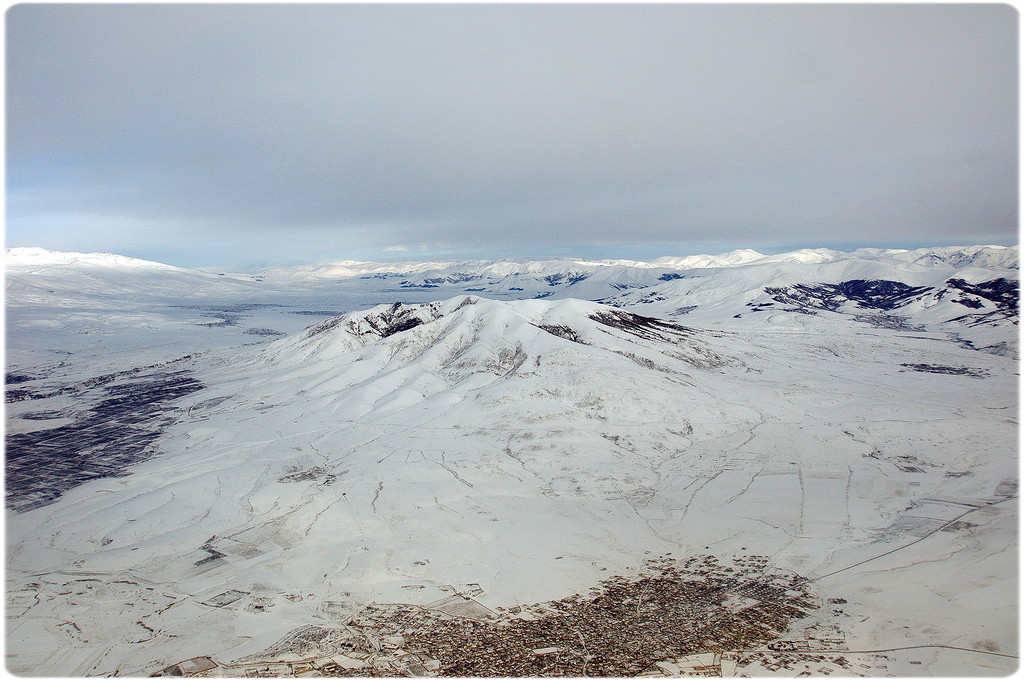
530	428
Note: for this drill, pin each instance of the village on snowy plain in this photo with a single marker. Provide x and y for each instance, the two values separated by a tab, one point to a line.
797	464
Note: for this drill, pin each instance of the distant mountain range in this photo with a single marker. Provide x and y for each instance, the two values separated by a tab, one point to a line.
1005	257
967	286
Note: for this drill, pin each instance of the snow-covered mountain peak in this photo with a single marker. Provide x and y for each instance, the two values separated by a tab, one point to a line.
805	255
984	256
42	257
969	256
439	345
737	257
343	269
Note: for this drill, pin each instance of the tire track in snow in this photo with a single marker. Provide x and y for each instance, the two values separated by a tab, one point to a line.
320	513
743	491
443	464
693	496
376	495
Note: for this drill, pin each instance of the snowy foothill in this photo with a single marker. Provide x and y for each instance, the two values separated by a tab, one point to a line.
323	438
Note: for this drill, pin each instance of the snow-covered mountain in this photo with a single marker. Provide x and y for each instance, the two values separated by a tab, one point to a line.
43	258
343	269
964	301
1005	257
825	416
40	272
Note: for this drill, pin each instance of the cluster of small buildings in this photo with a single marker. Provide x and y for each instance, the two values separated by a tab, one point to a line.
776	661
626	624
673	618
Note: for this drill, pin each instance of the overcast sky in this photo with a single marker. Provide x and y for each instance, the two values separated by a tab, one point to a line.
245	134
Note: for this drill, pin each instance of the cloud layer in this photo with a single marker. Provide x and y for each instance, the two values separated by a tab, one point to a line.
304	131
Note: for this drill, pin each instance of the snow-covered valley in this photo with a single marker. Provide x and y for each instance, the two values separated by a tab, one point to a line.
200	464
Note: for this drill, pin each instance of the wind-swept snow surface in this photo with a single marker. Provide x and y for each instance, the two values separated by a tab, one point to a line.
803	417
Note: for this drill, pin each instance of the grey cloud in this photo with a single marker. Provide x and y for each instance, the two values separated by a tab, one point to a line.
558	124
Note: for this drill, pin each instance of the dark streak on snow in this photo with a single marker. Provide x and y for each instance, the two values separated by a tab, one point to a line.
638	325
113	435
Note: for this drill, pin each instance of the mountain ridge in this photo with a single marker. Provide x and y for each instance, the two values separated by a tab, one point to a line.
958	256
